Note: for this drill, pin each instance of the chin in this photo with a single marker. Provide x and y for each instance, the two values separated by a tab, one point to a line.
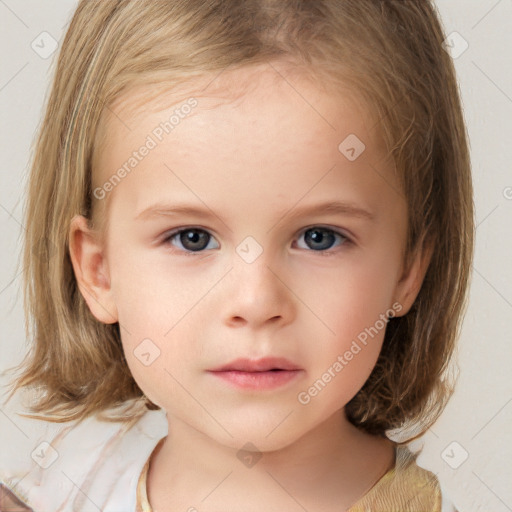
260	440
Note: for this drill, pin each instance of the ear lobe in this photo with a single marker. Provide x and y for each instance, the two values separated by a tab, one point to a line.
409	285
91	272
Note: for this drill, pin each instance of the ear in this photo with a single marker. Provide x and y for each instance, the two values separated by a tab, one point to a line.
410	282
91	270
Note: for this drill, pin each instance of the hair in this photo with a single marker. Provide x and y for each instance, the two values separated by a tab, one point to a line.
389	53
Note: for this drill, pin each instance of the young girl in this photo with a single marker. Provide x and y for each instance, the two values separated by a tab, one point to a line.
249	239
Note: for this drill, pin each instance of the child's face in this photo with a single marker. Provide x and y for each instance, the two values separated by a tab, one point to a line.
258	283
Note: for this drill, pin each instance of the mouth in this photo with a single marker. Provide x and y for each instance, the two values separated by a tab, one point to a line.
266	364
266	373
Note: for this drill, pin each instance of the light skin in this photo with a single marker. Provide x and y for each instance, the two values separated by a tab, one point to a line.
252	162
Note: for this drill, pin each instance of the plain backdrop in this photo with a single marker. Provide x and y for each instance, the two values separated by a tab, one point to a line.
470	447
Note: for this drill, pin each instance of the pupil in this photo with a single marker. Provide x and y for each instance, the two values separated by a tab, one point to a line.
193	237
317	236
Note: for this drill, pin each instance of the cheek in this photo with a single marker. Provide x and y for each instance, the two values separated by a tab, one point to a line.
347	358
353	309
160	357
352	298
150	296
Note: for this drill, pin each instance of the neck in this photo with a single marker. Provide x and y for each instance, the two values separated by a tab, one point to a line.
334	464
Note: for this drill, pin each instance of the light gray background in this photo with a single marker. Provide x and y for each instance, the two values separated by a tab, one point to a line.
479	417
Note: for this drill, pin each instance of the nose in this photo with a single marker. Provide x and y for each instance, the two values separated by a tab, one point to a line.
257	293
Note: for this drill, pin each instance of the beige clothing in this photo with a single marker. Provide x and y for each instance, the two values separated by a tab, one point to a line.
406	487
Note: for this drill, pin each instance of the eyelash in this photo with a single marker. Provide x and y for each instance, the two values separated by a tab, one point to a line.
170	236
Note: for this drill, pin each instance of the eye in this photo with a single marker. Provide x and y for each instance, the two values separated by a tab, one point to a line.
191	239
321	239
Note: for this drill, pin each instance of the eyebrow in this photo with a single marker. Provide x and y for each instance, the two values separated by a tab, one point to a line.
330	207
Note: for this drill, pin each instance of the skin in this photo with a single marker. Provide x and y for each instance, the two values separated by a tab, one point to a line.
250	153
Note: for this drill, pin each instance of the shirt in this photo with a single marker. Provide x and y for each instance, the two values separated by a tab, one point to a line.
94	465
406	486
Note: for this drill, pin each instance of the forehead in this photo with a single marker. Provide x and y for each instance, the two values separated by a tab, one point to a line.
260	123
259	82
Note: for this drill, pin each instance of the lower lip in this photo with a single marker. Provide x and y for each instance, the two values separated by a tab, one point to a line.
258	380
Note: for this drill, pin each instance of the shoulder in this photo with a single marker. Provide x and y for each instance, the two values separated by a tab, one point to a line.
407	486
61	466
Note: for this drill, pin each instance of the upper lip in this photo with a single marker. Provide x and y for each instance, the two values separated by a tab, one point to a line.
258	365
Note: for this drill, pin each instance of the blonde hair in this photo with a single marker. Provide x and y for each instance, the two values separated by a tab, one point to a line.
388	52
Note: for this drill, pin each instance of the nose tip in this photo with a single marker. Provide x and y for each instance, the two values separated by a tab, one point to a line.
256	295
